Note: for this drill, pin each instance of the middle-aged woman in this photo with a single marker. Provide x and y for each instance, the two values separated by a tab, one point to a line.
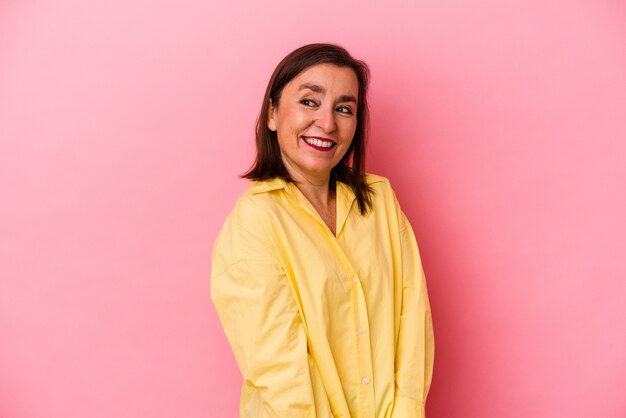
316	274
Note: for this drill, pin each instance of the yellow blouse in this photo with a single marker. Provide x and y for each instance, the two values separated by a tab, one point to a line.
324	325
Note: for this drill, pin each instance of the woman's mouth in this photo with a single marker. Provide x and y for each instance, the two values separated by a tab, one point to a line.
318	143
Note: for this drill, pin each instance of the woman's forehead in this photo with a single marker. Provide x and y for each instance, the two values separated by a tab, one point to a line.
323	78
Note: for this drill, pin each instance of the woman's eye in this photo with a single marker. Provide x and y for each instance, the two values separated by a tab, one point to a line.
307	102
345	109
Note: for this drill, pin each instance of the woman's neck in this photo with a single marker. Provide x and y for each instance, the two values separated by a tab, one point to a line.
320	192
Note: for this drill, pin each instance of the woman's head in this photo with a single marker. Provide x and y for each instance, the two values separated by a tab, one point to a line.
335	106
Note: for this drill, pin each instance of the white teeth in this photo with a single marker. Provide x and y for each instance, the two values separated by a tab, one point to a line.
318	142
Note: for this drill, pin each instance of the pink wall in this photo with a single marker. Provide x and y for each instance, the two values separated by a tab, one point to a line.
124	124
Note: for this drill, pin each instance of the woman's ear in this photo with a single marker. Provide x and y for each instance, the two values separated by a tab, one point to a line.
271	122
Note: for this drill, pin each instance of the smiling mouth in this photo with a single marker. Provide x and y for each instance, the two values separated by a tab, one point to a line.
319	144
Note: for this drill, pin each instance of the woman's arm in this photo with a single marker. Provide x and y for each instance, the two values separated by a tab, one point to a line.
260	317
415	350
263	327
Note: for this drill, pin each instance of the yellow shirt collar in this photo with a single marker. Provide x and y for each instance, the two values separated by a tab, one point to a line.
267	185
278	183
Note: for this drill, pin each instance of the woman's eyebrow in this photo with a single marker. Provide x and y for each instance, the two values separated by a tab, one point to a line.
319	89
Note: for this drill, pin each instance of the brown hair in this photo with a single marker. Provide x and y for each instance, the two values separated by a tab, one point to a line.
350	170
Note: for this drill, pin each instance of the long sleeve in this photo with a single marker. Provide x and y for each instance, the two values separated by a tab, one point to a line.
256	307
415	350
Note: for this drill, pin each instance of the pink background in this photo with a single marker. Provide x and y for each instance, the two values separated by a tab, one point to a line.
124	125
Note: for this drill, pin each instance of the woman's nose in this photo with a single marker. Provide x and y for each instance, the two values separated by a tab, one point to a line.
326	119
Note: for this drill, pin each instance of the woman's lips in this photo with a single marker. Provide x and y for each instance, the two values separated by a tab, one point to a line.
319	143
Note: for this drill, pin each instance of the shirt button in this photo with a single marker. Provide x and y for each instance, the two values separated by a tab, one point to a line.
360	330
365	381
355	279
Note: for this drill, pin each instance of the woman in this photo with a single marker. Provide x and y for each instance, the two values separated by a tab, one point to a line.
316	275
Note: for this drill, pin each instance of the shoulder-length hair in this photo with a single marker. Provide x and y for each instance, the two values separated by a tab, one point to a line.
350	170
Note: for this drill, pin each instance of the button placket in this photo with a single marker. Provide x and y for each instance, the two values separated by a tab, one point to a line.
363	346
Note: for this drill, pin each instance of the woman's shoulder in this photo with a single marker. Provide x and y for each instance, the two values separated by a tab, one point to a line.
380	185
384	196
257	201
374	179
243	234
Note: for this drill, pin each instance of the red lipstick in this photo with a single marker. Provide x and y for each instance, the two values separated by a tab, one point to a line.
317	147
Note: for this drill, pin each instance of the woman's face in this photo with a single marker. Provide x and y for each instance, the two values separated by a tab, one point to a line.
315	120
